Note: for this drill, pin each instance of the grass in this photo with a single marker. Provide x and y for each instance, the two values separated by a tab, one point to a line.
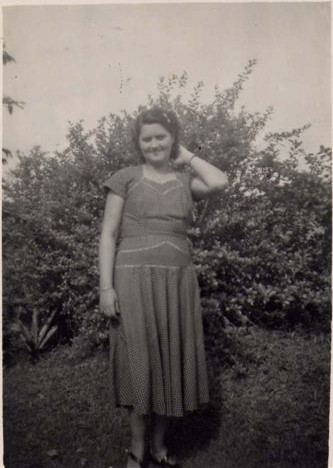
269	410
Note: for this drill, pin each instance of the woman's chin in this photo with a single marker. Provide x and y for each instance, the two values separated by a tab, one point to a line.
157	159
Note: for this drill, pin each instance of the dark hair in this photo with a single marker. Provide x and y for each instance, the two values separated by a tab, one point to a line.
157	115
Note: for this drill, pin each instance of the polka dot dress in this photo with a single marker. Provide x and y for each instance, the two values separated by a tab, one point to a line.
157	356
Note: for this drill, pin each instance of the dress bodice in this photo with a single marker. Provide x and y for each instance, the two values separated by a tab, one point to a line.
154	214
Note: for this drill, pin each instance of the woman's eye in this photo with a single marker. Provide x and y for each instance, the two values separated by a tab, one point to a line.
160	137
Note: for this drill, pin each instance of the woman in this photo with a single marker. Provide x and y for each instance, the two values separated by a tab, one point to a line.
148	286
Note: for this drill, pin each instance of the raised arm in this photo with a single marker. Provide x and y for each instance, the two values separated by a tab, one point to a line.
107	248
208	179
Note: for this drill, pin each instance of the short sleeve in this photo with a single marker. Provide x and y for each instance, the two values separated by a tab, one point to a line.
117	184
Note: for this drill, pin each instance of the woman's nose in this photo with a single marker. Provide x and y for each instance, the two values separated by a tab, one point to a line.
154	143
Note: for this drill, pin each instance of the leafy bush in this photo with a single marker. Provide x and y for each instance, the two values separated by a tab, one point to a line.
262	247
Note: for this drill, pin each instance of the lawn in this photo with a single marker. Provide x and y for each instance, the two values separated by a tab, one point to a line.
269	409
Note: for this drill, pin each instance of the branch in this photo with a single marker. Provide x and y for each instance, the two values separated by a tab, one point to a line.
11	103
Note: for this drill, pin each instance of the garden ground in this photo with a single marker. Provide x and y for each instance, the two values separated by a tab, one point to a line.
269	409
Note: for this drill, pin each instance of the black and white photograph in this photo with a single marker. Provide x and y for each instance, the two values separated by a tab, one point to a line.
166	234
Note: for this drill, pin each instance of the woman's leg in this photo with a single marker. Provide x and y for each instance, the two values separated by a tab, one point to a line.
158	448
138	424
159	426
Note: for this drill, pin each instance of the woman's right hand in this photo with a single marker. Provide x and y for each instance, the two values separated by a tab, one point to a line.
108	304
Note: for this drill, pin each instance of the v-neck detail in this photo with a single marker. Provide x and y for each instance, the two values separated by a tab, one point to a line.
144	176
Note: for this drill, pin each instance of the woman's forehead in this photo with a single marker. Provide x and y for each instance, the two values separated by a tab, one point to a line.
149	129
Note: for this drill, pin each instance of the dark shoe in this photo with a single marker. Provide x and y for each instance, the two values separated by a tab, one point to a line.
166	461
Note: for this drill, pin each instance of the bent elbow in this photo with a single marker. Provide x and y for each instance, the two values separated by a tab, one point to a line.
221	183
224	181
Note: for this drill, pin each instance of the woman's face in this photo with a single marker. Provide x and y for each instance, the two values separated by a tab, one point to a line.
155	143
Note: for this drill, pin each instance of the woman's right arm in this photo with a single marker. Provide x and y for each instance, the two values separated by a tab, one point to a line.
107	250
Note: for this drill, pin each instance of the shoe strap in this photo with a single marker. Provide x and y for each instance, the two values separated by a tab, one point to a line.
165	460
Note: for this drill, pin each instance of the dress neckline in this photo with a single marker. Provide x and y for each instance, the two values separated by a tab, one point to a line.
144	176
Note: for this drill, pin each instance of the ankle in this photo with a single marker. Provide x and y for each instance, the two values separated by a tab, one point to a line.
158	452
138	451
134	461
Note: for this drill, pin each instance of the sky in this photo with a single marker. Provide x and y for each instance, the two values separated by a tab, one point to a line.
82	62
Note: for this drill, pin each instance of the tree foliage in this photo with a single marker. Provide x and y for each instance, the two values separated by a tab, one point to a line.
8	103
262	247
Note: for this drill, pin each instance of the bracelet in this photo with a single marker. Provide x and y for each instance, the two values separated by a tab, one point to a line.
190	160
106	289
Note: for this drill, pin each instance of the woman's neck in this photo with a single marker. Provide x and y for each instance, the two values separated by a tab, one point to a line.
158	169
159	173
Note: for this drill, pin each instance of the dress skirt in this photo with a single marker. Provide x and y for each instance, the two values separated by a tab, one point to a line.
157	352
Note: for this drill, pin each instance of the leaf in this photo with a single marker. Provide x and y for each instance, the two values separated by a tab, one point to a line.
34	327
6	57
46	326
25	331
48	336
